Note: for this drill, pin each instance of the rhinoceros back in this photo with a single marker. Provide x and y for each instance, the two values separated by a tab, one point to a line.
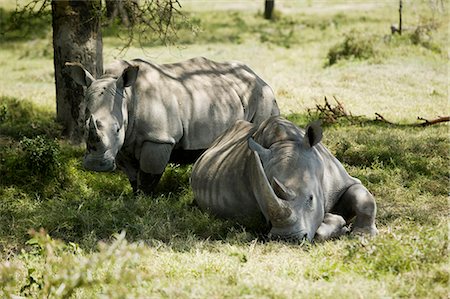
219	179
194	101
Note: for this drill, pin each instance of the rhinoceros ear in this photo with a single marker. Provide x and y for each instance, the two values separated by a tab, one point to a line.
273	208
313	133
79	74
128	76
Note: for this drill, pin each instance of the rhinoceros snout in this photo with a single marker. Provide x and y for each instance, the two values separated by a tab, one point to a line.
100	165
293	237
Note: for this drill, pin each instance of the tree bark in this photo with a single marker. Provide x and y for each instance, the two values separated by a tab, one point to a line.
400	8
268	9
76	38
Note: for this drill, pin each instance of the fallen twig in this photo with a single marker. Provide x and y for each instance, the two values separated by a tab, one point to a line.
330	114
425	122
379	117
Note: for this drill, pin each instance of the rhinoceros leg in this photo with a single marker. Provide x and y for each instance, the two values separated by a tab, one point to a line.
357	201
333	226
152	162
147	182
130	166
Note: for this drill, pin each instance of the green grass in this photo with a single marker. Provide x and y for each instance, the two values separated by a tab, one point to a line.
170	248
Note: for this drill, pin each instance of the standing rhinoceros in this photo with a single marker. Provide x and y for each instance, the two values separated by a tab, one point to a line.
139	114
280	174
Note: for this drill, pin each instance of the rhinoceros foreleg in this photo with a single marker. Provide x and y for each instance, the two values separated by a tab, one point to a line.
148	181
152	162
359	203
130	166
333	226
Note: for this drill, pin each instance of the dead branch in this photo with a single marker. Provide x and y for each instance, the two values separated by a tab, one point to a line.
425	122
379	117
330	113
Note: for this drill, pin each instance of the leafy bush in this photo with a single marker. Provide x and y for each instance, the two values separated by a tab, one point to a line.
422	36
355	45
3	112
41	155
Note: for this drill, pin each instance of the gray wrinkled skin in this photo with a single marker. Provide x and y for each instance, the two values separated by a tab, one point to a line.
280	174
138	112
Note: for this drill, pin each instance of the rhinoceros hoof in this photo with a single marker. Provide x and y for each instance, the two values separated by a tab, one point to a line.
322	235
364	231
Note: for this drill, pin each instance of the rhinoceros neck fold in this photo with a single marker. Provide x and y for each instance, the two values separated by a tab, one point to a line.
130	100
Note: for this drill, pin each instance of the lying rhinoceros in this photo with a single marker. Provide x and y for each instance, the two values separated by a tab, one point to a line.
279	174
139	115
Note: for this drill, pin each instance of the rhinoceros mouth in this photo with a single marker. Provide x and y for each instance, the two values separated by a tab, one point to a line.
99	164
298	236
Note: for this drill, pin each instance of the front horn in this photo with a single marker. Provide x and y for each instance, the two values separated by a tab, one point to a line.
93	130
274	209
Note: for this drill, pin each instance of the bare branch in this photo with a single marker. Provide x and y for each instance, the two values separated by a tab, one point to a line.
427	122
329	113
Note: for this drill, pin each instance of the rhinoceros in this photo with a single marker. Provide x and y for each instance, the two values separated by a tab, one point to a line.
282	178
140	115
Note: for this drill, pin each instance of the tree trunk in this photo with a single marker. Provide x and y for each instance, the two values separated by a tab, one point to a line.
400	17
268	9
76	38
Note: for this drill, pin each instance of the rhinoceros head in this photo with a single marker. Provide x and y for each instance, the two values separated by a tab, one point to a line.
287	180
106	115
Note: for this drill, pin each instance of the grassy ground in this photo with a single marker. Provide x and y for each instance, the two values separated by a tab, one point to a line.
97	239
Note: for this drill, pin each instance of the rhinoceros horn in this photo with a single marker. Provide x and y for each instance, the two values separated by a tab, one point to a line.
93	130
274	209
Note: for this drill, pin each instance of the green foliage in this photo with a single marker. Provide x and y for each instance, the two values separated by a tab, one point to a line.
356	45
47	274
16	26
41	155
423	36
3	113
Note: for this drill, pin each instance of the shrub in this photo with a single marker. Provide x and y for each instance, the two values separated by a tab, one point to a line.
355	45
3	112
41	155
422	36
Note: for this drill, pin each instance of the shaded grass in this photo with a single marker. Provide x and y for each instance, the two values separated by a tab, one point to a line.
26	119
